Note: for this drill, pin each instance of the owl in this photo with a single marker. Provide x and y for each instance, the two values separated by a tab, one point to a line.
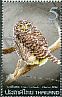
30	44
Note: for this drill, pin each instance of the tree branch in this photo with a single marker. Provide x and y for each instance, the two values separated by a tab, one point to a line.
52	48
56	45
23	70
8	50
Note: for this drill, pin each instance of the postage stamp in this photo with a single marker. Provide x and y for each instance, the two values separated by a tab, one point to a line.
30	49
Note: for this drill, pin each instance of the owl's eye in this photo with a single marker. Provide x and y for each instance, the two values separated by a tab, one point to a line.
20	25
28	25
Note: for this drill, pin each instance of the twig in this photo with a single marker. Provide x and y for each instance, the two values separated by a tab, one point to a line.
56	45
8	50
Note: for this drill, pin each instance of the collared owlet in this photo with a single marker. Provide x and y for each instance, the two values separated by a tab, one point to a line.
30	43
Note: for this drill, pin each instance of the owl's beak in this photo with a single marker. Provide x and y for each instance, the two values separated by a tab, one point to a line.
24	28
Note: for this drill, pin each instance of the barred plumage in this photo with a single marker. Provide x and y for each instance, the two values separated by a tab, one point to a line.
32	40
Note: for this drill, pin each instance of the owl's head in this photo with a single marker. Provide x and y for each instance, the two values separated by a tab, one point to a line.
23	26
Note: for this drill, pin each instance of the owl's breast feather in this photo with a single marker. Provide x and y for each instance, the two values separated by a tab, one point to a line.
35	43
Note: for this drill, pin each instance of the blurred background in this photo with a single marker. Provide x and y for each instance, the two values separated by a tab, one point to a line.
38	14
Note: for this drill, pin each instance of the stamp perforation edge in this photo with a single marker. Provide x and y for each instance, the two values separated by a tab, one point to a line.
31	1
61	51
1	62
2	40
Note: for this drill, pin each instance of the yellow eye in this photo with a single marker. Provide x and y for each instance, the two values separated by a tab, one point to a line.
20	25
28	25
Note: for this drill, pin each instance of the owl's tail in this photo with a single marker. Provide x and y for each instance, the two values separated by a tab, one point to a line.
53	59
